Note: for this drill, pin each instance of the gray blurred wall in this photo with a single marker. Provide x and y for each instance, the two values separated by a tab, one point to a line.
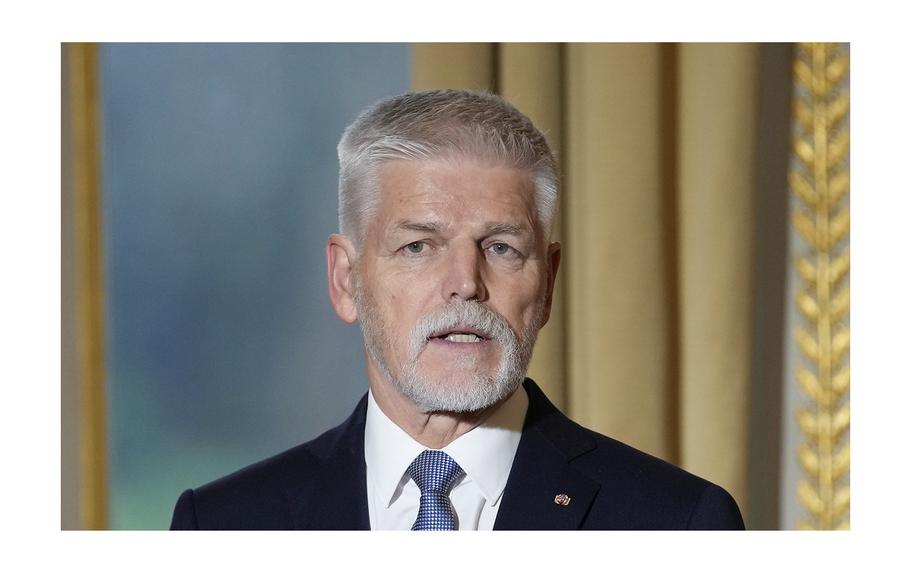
219	181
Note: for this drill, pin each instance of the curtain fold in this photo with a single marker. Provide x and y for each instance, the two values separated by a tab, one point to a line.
619	294
716	147
650	339
86	483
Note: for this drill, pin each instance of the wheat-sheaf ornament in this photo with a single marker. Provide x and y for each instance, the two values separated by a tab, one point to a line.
820	179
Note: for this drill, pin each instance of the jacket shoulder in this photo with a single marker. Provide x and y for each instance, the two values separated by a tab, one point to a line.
261	495
637	490
253	497
641	491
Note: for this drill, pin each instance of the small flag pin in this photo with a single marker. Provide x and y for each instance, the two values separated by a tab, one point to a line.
562	499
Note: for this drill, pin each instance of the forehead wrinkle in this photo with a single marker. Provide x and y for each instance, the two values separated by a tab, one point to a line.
431	201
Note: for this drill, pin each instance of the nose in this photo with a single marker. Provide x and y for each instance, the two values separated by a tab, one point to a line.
464	273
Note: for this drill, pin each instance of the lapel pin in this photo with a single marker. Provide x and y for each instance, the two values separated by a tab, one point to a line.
562	499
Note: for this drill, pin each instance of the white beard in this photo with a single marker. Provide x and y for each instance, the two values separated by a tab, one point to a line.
439	393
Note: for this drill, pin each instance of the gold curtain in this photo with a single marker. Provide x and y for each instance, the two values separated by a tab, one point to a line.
650	338
83	405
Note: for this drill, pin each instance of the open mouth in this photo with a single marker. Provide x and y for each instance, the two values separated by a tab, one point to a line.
461	335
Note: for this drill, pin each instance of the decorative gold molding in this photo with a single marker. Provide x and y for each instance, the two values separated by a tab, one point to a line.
82	90
820	179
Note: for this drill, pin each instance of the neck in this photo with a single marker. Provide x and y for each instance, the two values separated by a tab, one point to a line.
433	430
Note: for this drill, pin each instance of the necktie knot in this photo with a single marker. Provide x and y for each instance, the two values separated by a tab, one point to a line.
435	473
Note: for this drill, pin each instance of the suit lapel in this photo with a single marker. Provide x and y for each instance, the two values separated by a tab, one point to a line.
542	470
335	494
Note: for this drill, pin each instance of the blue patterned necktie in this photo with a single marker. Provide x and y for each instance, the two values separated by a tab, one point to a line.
435	473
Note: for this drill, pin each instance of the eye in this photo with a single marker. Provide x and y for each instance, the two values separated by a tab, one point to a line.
415	247
501	249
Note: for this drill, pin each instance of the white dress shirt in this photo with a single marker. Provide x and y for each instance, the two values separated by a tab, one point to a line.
485	454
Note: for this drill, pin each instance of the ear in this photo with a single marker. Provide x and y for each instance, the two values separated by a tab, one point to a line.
339	258
554	255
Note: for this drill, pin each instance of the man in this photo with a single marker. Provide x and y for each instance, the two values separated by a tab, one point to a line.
446	203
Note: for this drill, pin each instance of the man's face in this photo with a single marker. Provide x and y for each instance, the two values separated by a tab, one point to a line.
453	282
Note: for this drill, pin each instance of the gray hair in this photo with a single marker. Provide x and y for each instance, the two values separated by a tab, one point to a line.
439	124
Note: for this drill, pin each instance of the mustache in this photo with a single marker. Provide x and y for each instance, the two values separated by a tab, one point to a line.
462	314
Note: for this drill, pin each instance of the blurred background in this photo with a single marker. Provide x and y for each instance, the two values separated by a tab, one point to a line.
702	309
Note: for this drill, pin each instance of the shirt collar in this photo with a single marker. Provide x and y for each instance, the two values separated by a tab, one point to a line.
388	451
485	453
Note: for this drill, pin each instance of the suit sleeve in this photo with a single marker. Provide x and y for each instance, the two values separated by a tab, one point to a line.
185	513
716	510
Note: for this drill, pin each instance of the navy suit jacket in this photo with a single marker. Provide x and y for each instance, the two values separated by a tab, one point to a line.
322	484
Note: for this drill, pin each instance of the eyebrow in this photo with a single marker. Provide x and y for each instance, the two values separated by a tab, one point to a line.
506	228
429	227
